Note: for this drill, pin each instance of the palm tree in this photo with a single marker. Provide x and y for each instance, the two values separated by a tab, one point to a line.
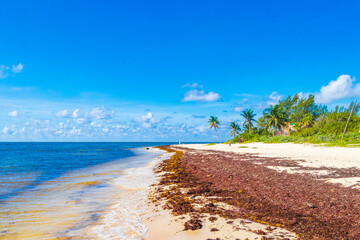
308	120
276	117
249	115
235	128
214	123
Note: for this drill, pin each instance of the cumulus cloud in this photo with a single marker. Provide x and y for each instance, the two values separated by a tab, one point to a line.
147	120
95	113
75	113
18	68
193	85
62	113
6	70
9	130
13	114
146	127
340	88
273	98
200	96
101	113
81	120
238	109
202	128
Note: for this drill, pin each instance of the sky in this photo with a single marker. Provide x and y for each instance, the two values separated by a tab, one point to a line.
156	70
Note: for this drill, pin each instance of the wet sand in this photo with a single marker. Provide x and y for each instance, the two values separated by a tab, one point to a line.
104	201
255	195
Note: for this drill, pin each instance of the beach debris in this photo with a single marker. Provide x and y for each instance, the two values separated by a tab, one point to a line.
260	232
212	219
270	229
193	224
214	230
311	205
267	196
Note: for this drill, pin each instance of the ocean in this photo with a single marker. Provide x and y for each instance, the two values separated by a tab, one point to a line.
74	190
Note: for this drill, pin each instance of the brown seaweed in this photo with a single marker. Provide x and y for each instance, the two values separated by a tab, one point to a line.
260	194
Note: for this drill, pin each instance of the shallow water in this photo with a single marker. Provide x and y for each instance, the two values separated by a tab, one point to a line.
73	190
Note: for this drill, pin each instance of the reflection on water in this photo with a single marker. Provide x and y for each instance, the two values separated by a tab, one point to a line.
68	205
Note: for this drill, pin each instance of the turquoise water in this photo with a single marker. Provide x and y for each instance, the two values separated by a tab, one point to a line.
26	165
64	190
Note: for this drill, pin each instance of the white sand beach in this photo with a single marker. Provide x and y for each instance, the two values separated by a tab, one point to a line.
161	224
314	155
311	159
309	156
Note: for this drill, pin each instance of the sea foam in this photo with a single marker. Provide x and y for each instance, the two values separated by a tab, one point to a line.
124	219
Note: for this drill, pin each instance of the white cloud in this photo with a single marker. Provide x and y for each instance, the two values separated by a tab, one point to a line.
340	88
202	128
238	109
303	95
5	70
200	96
13	114
192	85
95	124
18	68
62	113
75	113
146	125
95	113
145	118
81	120
101	113
74	131
274	98
148	121
9	130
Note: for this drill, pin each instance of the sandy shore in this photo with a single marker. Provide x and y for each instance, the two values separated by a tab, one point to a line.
314	155
313	159
162	224
303	182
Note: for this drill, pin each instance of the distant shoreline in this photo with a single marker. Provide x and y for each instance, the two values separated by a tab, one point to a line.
275	190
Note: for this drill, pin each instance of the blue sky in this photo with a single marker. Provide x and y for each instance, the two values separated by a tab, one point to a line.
156	70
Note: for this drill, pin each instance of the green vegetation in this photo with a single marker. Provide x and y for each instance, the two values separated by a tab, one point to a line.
275	117
249	115
235	129
211	144
301	120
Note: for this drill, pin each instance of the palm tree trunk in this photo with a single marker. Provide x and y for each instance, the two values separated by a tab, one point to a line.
347	123
249	123
217	135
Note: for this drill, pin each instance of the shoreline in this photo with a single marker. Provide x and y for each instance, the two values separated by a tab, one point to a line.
166	223
124	220
291	193
103	201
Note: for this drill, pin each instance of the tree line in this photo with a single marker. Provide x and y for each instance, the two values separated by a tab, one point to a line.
301	115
